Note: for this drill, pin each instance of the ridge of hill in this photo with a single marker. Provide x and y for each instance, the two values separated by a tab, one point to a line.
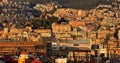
78	4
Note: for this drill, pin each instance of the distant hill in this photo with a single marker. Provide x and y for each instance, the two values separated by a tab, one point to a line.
79	4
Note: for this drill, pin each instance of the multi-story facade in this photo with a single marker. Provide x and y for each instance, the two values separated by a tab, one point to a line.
60	28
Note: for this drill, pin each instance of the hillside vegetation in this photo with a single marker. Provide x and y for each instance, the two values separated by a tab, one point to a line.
79	4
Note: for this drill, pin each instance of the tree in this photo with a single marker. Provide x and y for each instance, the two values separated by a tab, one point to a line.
46	23
62	20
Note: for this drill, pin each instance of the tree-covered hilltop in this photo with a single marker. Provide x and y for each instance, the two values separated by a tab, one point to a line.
79	4
43	23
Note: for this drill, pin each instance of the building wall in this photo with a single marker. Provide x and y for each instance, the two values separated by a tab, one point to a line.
5	1
82	13
12	47
63	27
77	23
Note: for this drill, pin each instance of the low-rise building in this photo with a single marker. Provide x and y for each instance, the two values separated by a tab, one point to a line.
77	23
60	28
43	32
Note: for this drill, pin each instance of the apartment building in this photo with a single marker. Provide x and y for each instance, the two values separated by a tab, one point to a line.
60	28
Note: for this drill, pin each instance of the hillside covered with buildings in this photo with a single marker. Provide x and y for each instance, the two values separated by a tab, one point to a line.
59	30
